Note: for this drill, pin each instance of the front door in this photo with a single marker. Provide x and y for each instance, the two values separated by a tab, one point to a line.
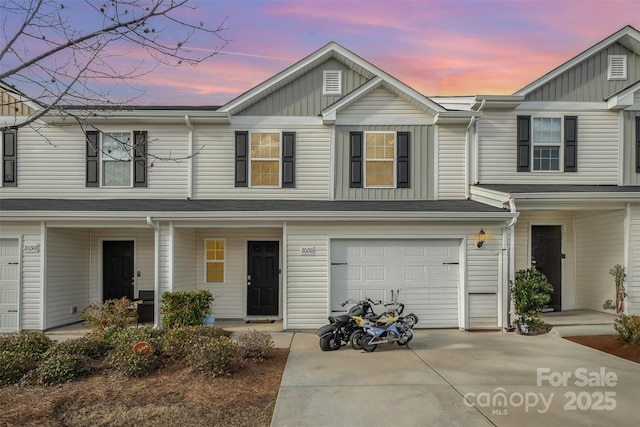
263	277
546	256
117	275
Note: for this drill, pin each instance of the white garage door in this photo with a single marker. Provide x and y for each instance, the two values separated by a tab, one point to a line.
9	284
424	274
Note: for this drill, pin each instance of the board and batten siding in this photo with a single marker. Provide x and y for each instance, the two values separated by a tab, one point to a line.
308	277
57	165
303	95
230	296
598	150
421	165
587	81
32	271
185	259
599	246
67	281
144	254
451	162
629	174
523	248
214	166
633	270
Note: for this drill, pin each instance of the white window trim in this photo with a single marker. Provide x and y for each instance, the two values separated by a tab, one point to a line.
331	73
270	159
559	144
394	160
610	74
101	154
224	261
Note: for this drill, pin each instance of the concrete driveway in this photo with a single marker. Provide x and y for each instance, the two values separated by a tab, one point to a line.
452	378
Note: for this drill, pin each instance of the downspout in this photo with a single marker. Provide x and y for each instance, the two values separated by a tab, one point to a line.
511	265
189	159
476	150
156	272
468	161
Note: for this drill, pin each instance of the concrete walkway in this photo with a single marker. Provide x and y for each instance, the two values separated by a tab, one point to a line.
452	378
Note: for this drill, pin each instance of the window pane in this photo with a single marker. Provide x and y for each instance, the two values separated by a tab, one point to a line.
380	155
546	158
547	130
116	145
379	174
215	272
116	173
265	145
215	257
265	173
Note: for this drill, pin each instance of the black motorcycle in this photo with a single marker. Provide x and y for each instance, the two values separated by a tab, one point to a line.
339	330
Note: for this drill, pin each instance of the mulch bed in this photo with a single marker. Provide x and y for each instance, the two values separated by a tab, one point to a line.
609	344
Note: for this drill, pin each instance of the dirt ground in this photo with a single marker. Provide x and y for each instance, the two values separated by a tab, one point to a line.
174	396
610	344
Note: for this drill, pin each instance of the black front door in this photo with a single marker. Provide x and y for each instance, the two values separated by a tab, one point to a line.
263	276
546	256
117	266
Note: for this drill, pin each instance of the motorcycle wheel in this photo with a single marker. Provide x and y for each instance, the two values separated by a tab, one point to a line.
405	340
329	343
366	346
356	340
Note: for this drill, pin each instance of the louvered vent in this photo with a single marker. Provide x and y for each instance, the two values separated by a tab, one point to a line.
332	82
617	67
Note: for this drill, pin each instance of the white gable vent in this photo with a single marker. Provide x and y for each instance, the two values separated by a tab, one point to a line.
617	67
332	82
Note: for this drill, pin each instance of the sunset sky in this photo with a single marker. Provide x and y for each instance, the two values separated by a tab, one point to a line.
437	47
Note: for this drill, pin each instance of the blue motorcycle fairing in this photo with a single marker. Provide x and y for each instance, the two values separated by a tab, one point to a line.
326	329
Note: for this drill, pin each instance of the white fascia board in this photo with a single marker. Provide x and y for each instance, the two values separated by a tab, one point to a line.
275	120
626	31
139	116
624	98
578	196
562	106
502	102
381	121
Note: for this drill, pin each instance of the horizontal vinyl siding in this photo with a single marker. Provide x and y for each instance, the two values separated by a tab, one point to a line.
308	278
67	281
421	165
32	270
56	165
451	162
598	150
185	270
600	246
381	104
633	270
483	311
230	296
523	248
214	166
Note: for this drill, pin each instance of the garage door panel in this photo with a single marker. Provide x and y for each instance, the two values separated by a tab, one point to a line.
423	273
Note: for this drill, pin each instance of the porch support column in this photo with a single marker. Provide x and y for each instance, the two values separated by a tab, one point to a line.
156	272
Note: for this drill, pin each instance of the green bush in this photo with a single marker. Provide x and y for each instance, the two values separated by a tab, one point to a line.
187	308
104	319
128	362
216	356
58	368
177	343
256	345
628	327
26	342
530	291
92	348
14	365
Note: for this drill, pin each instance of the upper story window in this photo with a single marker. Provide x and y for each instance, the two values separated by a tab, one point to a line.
380	156
547	141
116	159
265	159
214	259
617	69
332	82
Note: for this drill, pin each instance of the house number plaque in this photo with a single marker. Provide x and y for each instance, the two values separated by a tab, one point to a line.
308	250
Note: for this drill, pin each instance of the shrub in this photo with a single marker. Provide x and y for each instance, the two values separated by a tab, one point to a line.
58	368
256	345
92	348
216	356
128	362
187	308
628	327
106	318
177	343
14	365
26	342
530	292
620	276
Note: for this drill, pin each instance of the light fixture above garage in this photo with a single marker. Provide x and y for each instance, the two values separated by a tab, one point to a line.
481	238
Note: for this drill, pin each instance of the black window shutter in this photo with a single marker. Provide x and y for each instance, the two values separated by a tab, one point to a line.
140	158
524	143
93	158
637	144
9	158
570	144
242	159
288	159
404	141
355	159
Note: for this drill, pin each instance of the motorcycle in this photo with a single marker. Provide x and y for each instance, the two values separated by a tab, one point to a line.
392	311
339	330
400	331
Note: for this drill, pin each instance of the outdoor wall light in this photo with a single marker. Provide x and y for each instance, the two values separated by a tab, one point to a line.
481	238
